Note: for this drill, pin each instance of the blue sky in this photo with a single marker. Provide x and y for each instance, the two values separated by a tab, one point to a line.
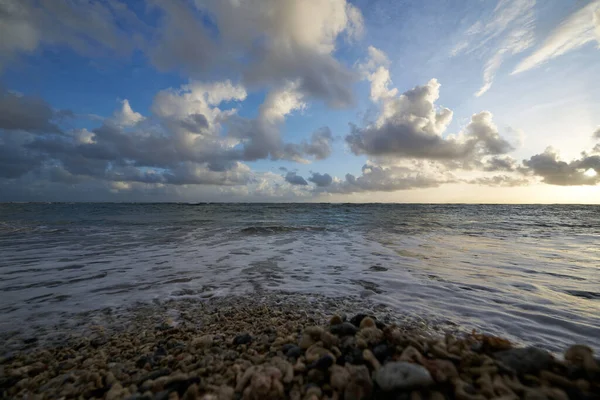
441	101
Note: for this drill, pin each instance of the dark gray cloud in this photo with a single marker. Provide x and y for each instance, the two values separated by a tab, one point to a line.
495	164
90	28
32	114
319	147
555	172
294	179
376	178
321	180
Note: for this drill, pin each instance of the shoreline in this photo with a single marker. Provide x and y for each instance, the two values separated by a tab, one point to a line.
301	348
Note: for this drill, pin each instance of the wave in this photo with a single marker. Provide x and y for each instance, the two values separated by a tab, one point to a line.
269	230
584	294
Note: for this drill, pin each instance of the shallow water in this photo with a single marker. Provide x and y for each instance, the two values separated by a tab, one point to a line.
530	273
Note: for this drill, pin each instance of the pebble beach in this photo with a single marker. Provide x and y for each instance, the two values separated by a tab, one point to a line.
255	348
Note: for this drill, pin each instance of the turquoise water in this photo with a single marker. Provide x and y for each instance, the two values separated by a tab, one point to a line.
531	273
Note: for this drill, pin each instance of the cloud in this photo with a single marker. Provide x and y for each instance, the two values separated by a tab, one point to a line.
548	166
126	116
293	179
378	178
270	42
90	29
410	125
499	180
578	29
267	42
596	134
32	114
319	147
181	42
506	163
321	180
508	31
190	138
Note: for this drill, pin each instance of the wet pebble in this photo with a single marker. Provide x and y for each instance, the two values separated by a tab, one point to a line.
344	329
402	375
242	339
525	360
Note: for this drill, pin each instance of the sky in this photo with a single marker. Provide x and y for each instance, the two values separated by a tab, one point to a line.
470	101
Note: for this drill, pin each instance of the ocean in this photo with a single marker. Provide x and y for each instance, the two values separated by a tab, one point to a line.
530	273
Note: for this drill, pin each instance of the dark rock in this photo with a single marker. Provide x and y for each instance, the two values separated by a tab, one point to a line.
30	340
160	352
164	395
155	374
525	360
316	375
143	360
98	341
286	347
343	329
382	352
401	375
354	356
242	339
181	385
357	319
322	363
294	352
97	393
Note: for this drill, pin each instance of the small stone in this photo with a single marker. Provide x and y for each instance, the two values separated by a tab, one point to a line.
242	339
203	341
339	377
315	352
402	375
226	393
114	392
371	335
525	360
314	332
357	319
322	363
110	379
329	340
382	352
343	329
360	385
354	356
315	375
367	322
294	352
313	392
306	341
286	347
441	370
335	320
191	393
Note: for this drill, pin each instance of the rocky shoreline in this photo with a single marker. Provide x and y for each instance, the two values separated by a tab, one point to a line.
258	351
